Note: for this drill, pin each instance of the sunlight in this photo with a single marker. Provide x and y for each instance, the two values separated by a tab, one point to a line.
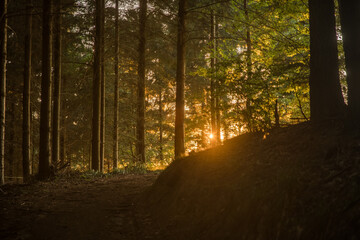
211	136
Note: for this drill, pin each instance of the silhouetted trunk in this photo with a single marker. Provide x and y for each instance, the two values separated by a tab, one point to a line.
161	154
213	79
3	49
140	127
26	94
45	111
102	61
217	87
248	113
180	83
350	26
63	124
326	100
116	90
95	163
57	84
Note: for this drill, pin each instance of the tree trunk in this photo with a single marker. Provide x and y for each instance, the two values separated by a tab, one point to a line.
217	87
161	154
140	128
248	115
95	163
57	84
350	26
276	113
326	100
116	90
63	124
180	83
45	111
103	90
26	94
212	84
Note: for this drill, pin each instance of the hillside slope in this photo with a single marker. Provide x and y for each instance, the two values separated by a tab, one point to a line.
299	182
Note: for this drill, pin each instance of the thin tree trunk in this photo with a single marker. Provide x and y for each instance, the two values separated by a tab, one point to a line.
63	124
180	83
26	94
45	111
57	84
248	67
116	90
103	90
97	89
350	26
217	86
140	128
326	100
212	84
161	154
277	118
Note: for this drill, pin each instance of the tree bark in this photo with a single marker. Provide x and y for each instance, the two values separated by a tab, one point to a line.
350	26
45	111
326	100
26	94
57	84
217	86
161	154
140	127
95	163
180	83
116	90
248	113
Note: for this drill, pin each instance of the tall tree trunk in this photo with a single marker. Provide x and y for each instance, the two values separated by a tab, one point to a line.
116	90
217	86
3	49
248	115
63	123
326	100
180	83
161	154
103	90
350	26
276	113
140	127
45	111
212	84
95	163
26	94
57	84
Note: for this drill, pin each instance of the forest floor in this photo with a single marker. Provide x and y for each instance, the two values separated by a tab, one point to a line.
76	207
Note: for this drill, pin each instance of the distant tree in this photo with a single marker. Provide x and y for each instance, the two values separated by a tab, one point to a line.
213	81
140	126
57	84
326	100
103	89
350	26
116	90
180	82
45	112
97	88
26	93
3	49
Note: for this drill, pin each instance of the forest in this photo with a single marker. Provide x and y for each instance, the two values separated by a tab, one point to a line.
172	111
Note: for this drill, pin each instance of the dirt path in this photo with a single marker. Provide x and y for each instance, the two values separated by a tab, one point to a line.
101	208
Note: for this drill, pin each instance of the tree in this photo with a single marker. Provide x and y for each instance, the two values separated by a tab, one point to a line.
326	100
140	126
350	26
26	93
45	112
3	49
180	82
116	90
213	82
57	84
103	90
97	88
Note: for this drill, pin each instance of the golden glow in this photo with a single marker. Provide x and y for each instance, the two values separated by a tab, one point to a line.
211	136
